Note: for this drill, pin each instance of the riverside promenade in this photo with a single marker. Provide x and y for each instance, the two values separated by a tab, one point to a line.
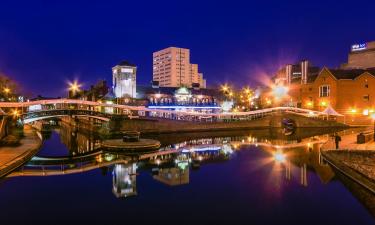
349	141
355	161
13	157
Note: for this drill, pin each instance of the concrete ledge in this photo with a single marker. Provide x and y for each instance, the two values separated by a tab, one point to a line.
363	179
13	157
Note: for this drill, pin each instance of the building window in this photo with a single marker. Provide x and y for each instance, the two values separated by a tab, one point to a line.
366	98
324	91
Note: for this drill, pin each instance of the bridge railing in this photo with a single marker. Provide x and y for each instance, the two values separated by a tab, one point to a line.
49	107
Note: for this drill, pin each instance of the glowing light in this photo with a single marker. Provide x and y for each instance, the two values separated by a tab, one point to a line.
6	90
309	104
353	110
280	91
373	116
323	103
15	113
365	112
74	87
279	157
311	113
225	88
269	102
200	158
158	95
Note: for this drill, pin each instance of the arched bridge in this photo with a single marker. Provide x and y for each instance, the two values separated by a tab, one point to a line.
32	116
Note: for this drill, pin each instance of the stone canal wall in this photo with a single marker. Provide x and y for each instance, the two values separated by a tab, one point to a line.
158	125
358	165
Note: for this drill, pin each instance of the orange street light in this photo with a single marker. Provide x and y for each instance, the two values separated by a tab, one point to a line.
74	87
7	90
15	113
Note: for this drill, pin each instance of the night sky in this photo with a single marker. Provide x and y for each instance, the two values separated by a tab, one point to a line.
43	44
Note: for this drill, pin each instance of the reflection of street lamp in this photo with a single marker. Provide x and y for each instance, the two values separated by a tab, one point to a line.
15	113
279	157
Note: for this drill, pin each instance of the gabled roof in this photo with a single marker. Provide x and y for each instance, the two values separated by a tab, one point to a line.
350	74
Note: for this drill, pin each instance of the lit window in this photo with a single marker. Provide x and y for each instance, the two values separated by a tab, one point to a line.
324	91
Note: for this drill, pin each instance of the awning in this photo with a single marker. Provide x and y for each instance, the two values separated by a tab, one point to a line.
331	112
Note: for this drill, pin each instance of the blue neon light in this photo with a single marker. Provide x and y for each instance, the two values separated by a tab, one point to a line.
183	107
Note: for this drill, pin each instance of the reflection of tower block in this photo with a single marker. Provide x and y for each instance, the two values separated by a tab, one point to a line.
124	80
173	176
124	180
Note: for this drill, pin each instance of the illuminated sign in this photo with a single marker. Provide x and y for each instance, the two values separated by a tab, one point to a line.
126	70
359	47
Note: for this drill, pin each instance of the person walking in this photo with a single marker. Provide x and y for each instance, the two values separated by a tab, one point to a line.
337	140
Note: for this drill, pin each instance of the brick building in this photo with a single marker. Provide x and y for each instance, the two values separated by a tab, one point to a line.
350	92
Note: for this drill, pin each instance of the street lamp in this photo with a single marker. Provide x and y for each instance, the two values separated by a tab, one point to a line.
74	87
279	91
6	90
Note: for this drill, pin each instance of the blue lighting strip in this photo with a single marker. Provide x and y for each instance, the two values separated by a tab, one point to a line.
183	107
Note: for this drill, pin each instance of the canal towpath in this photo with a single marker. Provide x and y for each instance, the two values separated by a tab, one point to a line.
13	157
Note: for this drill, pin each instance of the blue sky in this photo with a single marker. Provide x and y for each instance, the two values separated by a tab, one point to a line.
43	44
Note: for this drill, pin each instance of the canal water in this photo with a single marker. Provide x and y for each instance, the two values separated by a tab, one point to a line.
247	177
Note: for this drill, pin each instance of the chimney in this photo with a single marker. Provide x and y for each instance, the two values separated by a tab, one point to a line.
288	72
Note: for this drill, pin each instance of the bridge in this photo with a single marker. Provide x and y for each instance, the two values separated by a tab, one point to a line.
42	109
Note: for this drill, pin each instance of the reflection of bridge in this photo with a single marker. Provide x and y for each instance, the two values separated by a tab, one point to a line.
42	109
51	166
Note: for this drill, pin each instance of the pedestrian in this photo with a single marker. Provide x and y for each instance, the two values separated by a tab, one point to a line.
337	140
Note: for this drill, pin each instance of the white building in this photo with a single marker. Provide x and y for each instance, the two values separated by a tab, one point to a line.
124	80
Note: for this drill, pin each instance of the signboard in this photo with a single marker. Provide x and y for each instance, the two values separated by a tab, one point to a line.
359	47
126	70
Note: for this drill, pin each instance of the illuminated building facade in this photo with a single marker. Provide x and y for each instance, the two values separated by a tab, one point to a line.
184	99
351	92
361	56
124	80
172	68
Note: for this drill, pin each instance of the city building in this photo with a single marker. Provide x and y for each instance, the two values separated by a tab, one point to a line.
124	80
361	56
350	92
296	73
172	68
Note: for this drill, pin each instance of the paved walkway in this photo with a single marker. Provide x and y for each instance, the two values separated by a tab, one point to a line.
13	157
349	141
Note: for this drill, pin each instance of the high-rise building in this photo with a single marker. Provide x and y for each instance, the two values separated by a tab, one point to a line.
361	56
124	80
172	68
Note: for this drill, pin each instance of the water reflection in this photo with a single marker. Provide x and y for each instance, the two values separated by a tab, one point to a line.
172	163
124	180
291	159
